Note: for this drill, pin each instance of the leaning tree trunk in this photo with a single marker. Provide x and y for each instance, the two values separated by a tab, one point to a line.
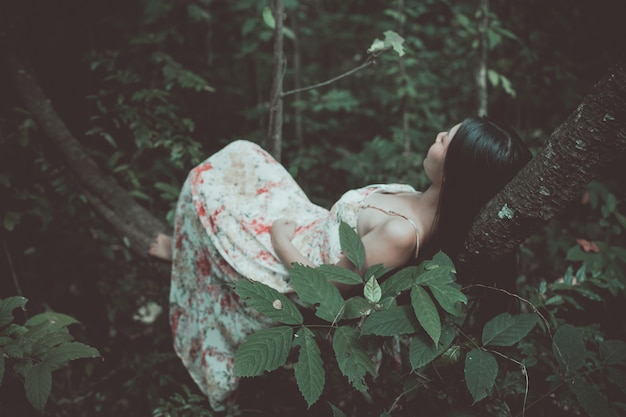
131	221
593	137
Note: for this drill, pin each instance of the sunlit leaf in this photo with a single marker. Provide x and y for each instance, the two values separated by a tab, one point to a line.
372	290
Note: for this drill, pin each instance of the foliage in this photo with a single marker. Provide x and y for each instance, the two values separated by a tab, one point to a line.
433	324
34	350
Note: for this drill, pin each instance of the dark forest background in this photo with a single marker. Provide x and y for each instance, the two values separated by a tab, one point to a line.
150	88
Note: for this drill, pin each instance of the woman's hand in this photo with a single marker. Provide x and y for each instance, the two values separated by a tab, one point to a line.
282	229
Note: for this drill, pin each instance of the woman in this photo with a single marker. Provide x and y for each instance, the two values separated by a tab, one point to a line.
240	214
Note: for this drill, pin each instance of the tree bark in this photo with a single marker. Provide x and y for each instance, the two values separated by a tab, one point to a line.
275	127
592	137
133	223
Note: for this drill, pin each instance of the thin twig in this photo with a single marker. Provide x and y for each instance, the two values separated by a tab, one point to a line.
13	274
524	371
369	61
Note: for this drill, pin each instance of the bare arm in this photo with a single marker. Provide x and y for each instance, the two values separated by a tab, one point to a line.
281	233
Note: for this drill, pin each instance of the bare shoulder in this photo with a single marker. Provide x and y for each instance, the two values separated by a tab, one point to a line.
399	232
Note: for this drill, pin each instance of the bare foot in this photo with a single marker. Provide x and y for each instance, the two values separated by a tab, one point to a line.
161	247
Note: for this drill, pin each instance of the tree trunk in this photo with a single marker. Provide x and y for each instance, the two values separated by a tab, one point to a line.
134	224
275	127
593	137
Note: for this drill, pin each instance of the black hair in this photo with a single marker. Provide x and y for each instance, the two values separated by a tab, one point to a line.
481	159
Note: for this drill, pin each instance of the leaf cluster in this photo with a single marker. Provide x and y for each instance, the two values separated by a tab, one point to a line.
34	350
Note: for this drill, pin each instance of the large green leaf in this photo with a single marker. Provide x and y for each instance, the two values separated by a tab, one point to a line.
376	271
356	307
448	295
59	355
313	289
38	383
7	305
589	398
391	322
51	317
569	348
309	369
268	301
339	274
506	330
352	357
400	281
264	350
426	312
613	352
422	350
351	245
481	370
439	274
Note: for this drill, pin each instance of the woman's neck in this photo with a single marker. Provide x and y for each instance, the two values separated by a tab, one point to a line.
426	205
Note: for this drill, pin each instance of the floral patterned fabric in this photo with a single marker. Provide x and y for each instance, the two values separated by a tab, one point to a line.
224	213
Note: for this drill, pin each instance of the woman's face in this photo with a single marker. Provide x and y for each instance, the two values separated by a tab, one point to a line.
436	156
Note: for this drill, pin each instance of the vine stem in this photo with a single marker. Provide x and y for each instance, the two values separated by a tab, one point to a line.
524	371
13	274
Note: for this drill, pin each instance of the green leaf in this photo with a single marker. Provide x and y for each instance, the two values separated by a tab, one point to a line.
589	398
268	18
59	355
339	274
439	260
372	290
313	289
51	317
422	350
493	76
506	330
268	301
400	281
264	350
395	40
377	271
50	339
7	305
11	219
569	348
613	352
309	369
336	411
391	322
351	245
449	296
480	371
426	312
352	357
38	383
356	307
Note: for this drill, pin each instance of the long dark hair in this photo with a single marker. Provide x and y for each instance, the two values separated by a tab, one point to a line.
481	159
